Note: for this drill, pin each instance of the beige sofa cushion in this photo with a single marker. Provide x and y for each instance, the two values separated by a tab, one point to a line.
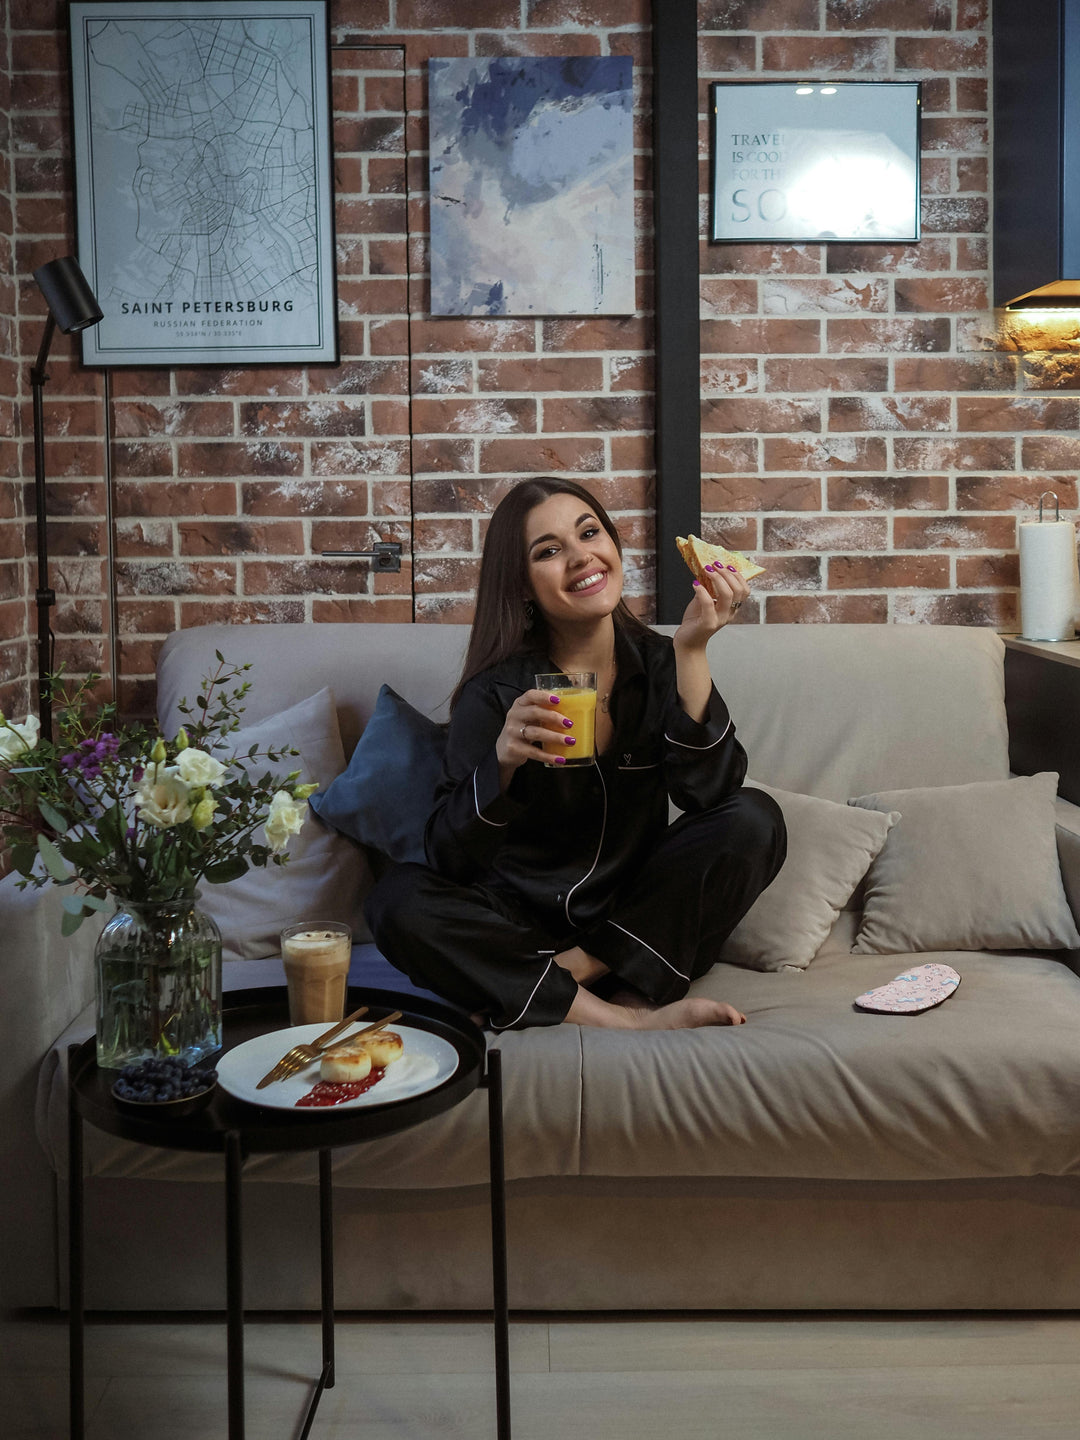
830	848
983	1086
830	710
326	876
968	867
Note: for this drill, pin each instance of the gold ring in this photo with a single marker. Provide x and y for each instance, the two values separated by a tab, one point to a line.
523	732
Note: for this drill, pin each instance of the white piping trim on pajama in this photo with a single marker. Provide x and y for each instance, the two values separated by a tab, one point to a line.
498	824
529	1001
599	847
648	947
683	745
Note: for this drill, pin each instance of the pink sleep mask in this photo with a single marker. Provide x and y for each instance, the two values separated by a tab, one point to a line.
911	993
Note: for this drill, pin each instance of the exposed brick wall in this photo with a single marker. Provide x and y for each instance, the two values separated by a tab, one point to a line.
867	426
229	483
867	429
14	647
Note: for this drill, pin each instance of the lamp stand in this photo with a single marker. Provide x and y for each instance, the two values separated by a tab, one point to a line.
44	596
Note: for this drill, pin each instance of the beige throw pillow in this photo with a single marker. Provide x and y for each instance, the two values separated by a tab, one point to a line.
326	876
830	847
967	867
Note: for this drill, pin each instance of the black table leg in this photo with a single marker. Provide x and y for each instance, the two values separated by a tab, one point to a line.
326	1259
497	1182
234	1283
76	1313
326	1256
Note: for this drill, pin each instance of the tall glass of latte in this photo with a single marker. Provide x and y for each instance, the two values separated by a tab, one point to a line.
316	956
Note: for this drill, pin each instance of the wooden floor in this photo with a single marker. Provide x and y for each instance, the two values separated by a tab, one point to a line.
828	1377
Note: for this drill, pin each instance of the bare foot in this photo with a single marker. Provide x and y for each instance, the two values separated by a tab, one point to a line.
688	1014
631	1000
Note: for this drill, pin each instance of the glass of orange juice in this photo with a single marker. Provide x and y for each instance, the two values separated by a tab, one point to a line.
576	690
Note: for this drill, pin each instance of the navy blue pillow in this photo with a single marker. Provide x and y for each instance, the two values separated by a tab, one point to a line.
387	792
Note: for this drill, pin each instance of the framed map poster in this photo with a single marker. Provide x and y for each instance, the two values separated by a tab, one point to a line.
821	161
203	180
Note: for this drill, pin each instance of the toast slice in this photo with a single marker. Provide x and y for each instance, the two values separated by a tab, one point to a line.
699	553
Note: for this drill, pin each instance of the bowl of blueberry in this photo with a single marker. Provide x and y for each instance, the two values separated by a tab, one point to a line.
163	1088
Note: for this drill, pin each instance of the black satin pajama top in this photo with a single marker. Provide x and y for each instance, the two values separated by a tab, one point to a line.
562	839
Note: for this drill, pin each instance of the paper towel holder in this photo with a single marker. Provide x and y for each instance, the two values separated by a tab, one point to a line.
1058	623
1057	504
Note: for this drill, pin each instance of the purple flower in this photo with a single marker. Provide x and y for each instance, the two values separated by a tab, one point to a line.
131	832
69	762
137	774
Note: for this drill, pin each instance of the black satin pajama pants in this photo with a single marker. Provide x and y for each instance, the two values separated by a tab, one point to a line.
489	950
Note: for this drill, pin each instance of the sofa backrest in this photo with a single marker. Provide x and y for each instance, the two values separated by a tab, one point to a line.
830	710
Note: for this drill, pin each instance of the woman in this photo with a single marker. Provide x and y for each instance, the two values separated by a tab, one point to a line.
544	882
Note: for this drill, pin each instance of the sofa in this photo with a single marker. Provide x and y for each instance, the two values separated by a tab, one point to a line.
818	1157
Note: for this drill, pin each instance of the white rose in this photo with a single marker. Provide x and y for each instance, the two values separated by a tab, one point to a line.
198	767
15	739
162	797
283	820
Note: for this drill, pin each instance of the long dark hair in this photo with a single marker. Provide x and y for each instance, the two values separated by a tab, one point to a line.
500	626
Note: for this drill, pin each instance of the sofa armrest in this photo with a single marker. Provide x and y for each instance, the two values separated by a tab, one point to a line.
48	979
1067	818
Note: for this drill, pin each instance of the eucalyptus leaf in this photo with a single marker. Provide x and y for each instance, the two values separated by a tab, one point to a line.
69	923
227	870
53	818
54	861
23	857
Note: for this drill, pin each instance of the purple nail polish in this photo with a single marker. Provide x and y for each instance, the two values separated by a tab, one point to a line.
560	759
710	568
567	722
733	570
569	740
554	699
697	584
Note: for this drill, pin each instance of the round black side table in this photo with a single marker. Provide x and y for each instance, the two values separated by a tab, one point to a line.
237	1129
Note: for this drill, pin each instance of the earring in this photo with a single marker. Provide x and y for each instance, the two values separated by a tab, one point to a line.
530	612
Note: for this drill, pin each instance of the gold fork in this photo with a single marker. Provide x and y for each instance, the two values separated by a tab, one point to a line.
294	1064
302	1054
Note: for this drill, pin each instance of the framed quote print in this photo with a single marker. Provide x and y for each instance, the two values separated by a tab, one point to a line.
203	180
815	161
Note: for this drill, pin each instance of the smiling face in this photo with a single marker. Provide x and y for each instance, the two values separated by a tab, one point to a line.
572	563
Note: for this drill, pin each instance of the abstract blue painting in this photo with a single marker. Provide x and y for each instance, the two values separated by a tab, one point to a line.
532	186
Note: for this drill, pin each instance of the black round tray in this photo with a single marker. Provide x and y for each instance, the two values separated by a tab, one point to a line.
248	1013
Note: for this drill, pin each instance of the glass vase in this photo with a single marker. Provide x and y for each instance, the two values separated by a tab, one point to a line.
158	970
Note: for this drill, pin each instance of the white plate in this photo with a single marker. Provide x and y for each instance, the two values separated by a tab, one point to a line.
428	1061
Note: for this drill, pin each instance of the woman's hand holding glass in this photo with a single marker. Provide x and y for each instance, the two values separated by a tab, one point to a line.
533	717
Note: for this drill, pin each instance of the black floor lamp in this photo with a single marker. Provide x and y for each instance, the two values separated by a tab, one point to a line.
73	307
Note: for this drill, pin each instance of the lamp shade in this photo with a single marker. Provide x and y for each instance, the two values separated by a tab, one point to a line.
67	294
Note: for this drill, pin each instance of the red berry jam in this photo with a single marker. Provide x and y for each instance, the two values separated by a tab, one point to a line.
325	1093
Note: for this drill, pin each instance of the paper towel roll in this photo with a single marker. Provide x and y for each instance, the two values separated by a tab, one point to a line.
1049	584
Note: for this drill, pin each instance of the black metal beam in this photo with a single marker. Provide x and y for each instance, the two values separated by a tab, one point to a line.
678	346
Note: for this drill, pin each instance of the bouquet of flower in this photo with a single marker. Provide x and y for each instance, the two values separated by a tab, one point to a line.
119	810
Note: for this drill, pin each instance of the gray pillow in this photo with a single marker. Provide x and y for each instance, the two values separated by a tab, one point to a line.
830	847
967	867
326	876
